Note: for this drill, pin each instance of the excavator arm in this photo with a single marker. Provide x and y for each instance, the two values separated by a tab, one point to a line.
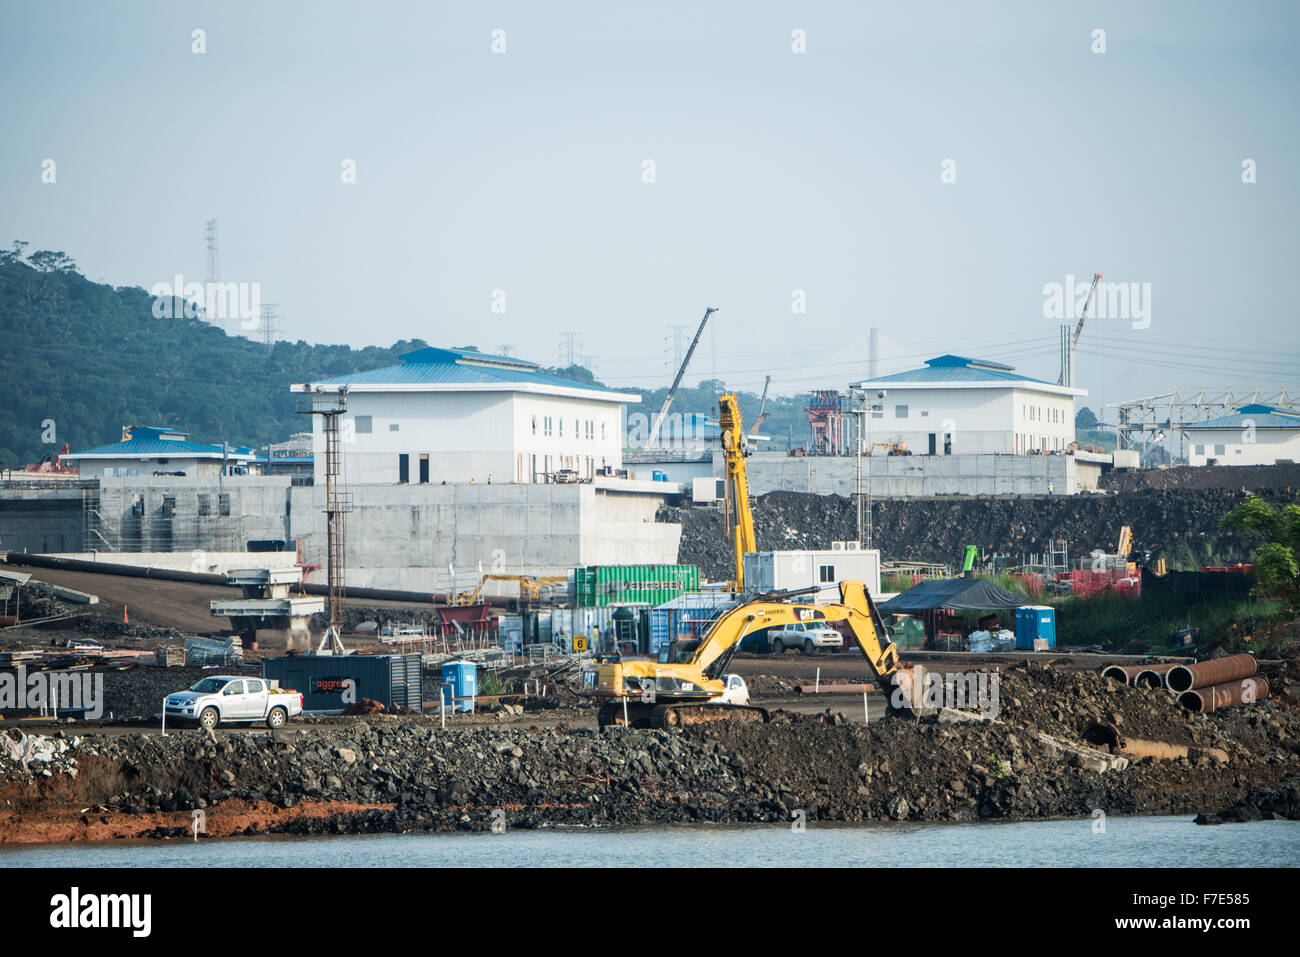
856	608
740	519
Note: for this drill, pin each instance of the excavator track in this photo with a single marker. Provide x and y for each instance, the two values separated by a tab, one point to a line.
642	715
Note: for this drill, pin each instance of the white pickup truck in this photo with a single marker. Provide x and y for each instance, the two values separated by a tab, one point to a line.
227	699
807	636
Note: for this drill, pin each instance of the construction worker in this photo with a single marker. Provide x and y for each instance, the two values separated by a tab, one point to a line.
489	478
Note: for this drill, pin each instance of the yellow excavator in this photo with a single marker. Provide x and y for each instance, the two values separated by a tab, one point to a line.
531	588
735	498
686	685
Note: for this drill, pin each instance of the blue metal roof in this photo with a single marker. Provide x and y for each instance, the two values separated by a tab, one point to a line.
146	442
434	366
1260	416
960	369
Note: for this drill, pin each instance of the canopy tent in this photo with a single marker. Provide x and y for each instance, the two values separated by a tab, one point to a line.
977	594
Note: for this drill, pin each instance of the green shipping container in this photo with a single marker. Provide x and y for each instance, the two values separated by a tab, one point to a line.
600	585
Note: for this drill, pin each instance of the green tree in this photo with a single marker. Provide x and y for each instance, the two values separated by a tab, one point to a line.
1277	559
1085	419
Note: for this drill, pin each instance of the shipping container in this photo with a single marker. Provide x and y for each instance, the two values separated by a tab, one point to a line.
329	683
820	569
600	585
684	617
1035	621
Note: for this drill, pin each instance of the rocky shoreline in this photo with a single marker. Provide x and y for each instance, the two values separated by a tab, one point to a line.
1037	760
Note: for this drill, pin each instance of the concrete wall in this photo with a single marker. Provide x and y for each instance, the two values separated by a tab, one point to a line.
905	476
40	520
257	508
419	537
123	468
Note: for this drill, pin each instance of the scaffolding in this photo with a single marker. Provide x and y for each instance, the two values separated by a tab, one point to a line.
1156	419
330	406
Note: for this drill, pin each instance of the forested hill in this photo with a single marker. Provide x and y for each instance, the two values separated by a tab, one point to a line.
91	358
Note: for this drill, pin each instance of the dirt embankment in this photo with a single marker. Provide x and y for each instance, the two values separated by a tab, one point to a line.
1168	522
1035	760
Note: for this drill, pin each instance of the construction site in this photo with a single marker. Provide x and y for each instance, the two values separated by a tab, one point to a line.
836	657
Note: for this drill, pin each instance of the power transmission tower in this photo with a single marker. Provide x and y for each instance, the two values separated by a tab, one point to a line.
570	349
268	326
676	347
214	261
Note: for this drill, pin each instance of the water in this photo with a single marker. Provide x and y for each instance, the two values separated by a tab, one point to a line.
1126	841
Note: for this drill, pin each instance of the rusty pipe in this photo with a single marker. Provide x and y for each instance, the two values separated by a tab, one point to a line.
1154	676
1132	674
1218	671
1212	697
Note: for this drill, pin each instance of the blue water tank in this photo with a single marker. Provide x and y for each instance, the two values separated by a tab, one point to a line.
460	680
1035	621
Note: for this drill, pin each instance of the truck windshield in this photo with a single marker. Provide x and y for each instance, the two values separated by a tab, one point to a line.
209	685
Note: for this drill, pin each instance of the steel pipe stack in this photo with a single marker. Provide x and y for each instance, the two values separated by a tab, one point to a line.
1210	685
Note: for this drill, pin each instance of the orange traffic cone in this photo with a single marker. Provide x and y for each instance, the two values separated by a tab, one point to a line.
125	619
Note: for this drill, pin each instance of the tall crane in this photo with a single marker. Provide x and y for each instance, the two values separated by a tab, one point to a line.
1067	366
762	416
659	419
735	499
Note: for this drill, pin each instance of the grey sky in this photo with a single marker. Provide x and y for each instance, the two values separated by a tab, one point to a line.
775	171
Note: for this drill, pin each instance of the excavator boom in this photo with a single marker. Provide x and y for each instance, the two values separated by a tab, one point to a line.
680	687
740	520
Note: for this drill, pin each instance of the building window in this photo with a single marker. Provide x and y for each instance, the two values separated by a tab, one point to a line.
223	503
602	431
924	413
393	427
1200	449
826	573
546	425
900	411
205	504
363	424
561	421
534	425
1219	449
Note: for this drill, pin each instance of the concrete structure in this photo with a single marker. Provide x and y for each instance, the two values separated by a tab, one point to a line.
268	610
433	537
453	415
419	537
292	458
1253	435
957	405
149	450
821	569
902	476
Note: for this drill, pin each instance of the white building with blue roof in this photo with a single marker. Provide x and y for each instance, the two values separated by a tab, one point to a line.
459	416
955	405
150	450
1253	435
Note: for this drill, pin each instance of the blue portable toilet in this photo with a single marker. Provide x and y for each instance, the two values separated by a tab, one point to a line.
1035	621
659	476
460	680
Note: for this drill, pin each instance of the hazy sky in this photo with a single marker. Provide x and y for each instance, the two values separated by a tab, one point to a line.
774	171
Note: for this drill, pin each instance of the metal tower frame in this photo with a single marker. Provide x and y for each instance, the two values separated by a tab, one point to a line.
1169	411
330	406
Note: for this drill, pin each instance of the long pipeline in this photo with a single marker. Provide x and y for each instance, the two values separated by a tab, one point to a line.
207	578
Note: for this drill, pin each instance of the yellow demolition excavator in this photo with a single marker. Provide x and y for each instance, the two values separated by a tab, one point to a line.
686	685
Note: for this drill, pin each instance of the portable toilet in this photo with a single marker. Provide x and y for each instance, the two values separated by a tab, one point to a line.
1035	621
460	680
